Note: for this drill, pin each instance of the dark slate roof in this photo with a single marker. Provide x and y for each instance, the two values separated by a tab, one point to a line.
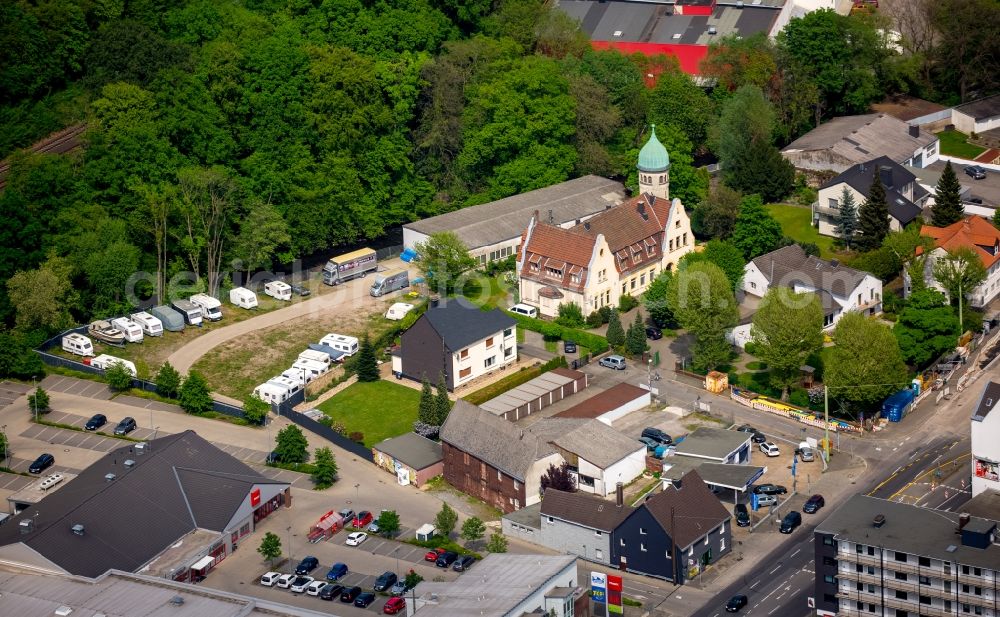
983	108
790	265
460	323
584	509
894	178
696	511
987	400
181	484
415	450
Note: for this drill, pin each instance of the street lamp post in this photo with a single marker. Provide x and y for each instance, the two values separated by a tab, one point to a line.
6	445
289	530
357	491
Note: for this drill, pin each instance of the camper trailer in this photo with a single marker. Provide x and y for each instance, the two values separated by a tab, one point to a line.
151	326
104	362
278	290
277	390
296	375
316	356
131	330
346	344
189	311
77	344
171	319
389	282
243	298
333	354
398	311
349	266
311	368
211	308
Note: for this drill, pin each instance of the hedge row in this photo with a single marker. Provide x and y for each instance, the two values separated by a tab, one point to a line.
595	343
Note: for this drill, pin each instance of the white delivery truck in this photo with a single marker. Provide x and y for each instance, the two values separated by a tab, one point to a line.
278	290
316	356
189	311
151	326
131	330
277	389
77	344
243	298
348	345
388	282
343	268
104	362
211	308
311	369
398	311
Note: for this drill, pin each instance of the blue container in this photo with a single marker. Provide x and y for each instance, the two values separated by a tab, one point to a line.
897	405
408	255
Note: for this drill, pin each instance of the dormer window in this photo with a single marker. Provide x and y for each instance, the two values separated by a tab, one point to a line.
650	250
574	278
554	272
534	267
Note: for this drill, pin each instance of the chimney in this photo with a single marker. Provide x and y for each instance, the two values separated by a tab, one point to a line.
434	299
77	529
879	520
861	166
587	225
537	218
552	219
619	495
914	130
963	520
885	173
641	209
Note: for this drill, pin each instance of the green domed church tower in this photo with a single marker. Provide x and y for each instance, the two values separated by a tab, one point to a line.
654	168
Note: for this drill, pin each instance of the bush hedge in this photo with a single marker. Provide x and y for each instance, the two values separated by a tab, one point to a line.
595	343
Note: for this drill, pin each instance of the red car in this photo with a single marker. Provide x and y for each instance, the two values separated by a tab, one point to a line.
363	518
434	554
393	606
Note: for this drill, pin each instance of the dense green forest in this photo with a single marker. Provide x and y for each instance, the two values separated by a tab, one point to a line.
233	134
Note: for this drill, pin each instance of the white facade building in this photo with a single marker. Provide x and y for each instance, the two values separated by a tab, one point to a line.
986	441
974	233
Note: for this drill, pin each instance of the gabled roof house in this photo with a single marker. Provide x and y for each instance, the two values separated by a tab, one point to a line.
976	234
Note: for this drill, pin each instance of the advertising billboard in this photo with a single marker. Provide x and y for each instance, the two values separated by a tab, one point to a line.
599	594
987	469
615	605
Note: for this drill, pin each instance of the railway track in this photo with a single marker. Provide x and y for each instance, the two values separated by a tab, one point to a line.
62	142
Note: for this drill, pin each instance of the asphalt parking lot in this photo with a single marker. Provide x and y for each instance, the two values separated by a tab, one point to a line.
76	387
11	391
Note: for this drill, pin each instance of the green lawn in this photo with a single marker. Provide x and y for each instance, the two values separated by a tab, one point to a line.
796	223
954	143
379	409
486	291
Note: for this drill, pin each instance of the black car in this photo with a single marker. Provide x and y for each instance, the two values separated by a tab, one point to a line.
814	504
446	559
569	347
735	604
790	522
364	599
350	594
653	333
758	437
770	489
306	566
42	463
272	458
742	515
463	563
126	426
977	172
746	428
299	289
96	421
331	591
657	435
385	581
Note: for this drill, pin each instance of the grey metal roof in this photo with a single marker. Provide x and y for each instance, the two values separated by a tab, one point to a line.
852	521
505	219
859	138
460	323
711	442
790	265
983	108
181	483
528	516
584	509
415	450
501	582
529	391
718	474
894	177
987	400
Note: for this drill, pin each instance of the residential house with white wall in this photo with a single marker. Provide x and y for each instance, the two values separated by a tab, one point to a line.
986	441
974	233
615	253
977	116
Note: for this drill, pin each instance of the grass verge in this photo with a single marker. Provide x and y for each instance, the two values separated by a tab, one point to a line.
956	143
378	409
796	223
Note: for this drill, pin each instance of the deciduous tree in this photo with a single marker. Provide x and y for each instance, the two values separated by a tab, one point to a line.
655	300
263	237
701	297
270	547
168	381
786	330
558	478
38	401
865	364
755	232
927	327
716	215
42	298
445	520
291	445
959	272
118	377
388	523
194	396
208	198
325	473
750	161
444	258
473	529
723	254
497	543
255	409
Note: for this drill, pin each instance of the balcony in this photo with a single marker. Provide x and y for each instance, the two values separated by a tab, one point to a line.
979	581
862	558
909	567
973	599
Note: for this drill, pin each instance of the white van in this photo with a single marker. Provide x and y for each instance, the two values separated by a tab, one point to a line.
77	344
278	290
277	389
243	298
316	356
131	330
104	362
524	309
348	345
211	308
398	311
151	326
311	369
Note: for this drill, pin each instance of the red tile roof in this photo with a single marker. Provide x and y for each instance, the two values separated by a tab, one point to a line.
972	232
551	246
631	229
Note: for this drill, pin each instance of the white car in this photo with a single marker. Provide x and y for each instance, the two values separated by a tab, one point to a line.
313	588
770	449
356	538
285	581
300	583
269	578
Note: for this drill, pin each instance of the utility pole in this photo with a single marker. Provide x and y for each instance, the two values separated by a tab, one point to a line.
961	328
826	421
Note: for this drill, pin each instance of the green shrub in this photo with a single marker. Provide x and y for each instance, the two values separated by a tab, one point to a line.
750	348
799	398
626	303
594	320
570	315
595	343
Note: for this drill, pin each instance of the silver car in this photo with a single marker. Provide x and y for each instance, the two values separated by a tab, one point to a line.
764	501
615	362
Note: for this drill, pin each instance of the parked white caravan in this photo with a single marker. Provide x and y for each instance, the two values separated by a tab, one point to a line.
243	298
77	344
312	369
104	362
131	330
278	290
277	389
346	344
316	356
398	311
211	308
188	310
296	375
151	326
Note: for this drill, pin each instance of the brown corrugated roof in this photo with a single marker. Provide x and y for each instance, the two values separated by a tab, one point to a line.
696	511
584	509
602	403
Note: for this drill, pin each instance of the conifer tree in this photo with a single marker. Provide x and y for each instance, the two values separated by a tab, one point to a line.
873	220
947	208
847	218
